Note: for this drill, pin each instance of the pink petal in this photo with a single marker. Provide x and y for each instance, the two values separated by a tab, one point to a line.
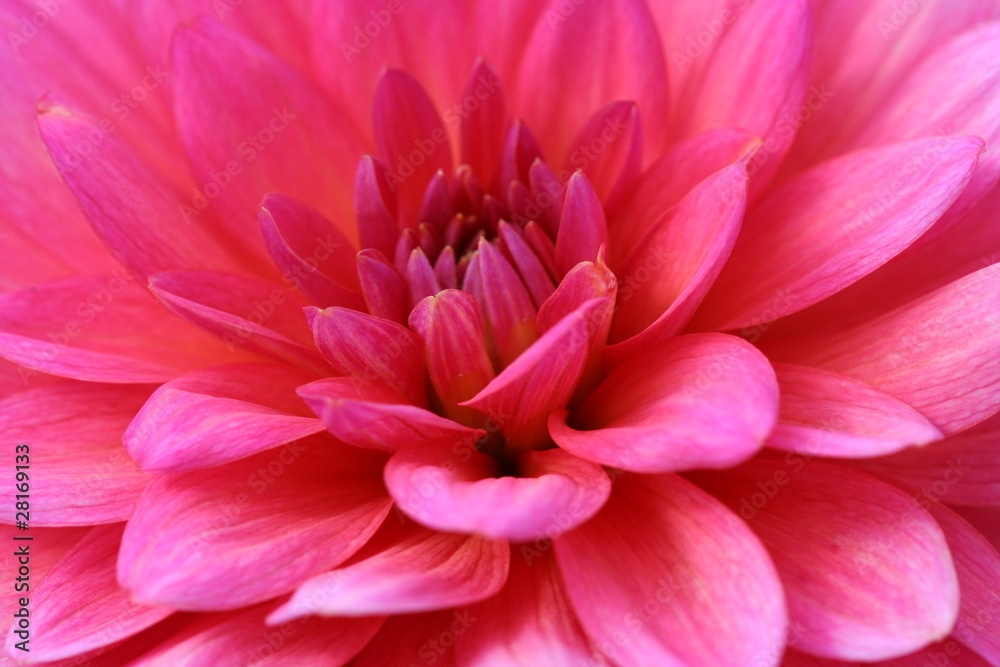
833	225
864	50
540	381
36	253
680	169
664	588
599	53
216	415
411	138
376	205
547	192
356	41
145	224
451	326
690	32
585	281
382	286
508	311
240	638
252	125
583	229
536	278
375	417
760	94
937	354
420	277
404	569
312	254
954	92
101	329
978	566
454	488
414	638
279	29
530	617
866	571
112	80
698	401
484	119
371	350
963	469
79	605
609	149
826	414
293	513
72	433
668	275
245	312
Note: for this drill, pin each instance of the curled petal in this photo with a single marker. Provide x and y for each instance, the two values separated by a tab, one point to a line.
452	487
699	401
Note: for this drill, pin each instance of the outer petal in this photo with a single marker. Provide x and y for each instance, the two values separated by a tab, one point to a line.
600	53
825	414
415	638
866	570
375	417
864	50
251	125
138	213
679	170
531	617
978	566
963	469
244	312
833	225
403	570
675	566
937	353
279	28
217	415
79	606
100	329
703	400
355	41
759	94
666	277
239	638
293	514
457	489
80	474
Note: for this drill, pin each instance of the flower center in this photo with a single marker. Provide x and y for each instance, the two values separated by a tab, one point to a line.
482	263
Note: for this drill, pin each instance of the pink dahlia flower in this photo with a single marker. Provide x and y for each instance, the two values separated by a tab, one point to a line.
500	332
